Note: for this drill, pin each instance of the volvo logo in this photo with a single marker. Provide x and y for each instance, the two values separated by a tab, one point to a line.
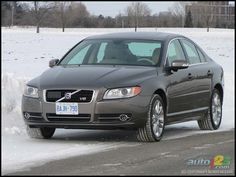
67	96
124	117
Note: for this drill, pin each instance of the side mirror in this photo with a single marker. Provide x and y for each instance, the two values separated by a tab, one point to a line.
53	62
178	64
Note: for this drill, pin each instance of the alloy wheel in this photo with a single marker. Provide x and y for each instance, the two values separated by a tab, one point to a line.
216	109
157	118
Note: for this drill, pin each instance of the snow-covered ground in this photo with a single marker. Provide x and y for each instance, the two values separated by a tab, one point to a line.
25	55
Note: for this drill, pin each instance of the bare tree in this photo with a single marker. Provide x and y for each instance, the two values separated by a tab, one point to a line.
178	10
207	14
40	9
78	14
136	11
6	10
62	7
203	13
119	19
12	12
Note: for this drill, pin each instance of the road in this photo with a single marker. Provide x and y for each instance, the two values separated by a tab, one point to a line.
167	157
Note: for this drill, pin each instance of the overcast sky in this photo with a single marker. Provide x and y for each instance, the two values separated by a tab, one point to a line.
107	8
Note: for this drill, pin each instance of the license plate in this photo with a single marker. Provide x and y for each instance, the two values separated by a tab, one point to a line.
67	108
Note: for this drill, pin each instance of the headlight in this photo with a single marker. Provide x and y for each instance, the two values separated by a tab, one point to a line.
31	91
122	92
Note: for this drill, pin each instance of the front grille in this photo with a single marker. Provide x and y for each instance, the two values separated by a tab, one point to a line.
82	96
68	118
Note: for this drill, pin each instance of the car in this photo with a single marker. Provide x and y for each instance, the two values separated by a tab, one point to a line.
139	81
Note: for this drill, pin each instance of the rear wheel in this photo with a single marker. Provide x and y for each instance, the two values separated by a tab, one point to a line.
40	133
212	119
154	127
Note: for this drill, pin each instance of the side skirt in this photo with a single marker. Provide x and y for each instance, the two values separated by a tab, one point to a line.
183	116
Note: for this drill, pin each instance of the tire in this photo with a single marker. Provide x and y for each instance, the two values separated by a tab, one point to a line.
40	133
208	123
146	133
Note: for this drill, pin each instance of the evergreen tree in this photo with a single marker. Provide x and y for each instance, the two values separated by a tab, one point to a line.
188	20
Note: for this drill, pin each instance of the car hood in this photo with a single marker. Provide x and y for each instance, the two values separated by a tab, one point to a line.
93	76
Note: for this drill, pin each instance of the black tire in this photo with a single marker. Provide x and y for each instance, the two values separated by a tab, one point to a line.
207	123
146	133
40	133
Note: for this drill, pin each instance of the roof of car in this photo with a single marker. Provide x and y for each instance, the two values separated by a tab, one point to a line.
137	35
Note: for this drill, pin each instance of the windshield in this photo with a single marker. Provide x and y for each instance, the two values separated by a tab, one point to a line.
114	52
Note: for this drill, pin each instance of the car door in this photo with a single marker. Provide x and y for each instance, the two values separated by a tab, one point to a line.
179	84
200	76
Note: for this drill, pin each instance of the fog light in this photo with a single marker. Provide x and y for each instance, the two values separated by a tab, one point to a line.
124	117
27	115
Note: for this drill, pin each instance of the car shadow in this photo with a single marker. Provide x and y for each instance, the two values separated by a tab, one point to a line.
95	135
171	132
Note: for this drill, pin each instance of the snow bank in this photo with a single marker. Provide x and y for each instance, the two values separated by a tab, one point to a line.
12	90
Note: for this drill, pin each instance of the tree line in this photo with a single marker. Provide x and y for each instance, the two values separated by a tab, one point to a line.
75	14
72	14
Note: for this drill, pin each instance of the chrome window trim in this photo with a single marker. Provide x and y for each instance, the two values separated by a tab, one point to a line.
177	38
44	96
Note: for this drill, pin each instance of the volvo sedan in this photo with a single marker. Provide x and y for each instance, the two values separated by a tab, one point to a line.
141	81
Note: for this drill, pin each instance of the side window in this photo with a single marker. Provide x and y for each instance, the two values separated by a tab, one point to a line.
79	57
191	52
175	52
202	57
101	52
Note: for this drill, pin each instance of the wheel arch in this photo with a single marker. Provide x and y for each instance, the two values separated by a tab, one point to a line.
219	87
162	95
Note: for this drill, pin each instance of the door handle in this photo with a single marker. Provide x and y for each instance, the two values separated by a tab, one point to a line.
209	73
190	76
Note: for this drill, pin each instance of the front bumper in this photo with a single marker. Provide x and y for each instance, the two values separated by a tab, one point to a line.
103	114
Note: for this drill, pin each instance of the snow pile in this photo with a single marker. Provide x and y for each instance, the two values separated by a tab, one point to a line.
12	90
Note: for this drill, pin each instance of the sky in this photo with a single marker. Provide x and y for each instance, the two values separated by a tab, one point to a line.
109	8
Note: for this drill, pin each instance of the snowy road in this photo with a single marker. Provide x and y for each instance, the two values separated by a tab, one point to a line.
168	157
25	55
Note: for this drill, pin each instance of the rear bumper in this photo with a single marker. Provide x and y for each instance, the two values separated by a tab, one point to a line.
93	115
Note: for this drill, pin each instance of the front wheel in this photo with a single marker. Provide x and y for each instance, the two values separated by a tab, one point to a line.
40	133
154	127
212	119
